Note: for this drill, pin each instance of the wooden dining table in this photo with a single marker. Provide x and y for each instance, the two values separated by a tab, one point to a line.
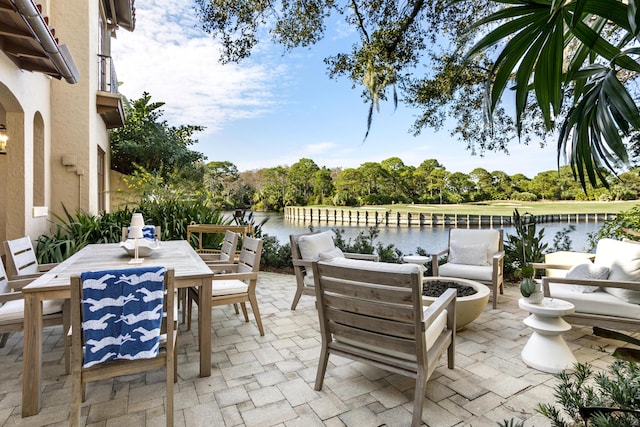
189	268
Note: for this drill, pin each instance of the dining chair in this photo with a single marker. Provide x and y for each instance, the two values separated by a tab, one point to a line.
126	324
21	259
12	309
376	316
237	283
227	252
226	255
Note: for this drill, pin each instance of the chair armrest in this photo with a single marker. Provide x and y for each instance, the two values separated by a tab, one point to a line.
498	256
11	296
18	284
546	265
434	260
237	276
222	268
366	257
302	263
587	282
445	301
209	257
46	267
442	252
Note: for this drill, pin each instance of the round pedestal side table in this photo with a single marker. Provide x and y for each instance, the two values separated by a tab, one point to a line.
415	259
546	350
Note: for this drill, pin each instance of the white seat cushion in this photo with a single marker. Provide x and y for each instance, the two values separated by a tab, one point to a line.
228	287
473	272
14	310
597	302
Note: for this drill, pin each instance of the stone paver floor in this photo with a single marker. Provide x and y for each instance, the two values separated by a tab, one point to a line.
268	381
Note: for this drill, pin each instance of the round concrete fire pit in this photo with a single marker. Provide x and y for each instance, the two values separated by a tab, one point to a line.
468	308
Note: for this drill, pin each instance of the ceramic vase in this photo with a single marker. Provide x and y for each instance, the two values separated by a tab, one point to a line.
531	291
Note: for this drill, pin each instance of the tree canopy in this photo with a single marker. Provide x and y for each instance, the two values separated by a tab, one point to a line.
149	142
404	52
572	64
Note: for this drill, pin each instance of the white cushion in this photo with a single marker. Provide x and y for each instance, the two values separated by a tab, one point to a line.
14	310
623	260
388	267
331	254
483	273
598	302
311	245
431	335
469	254
590	271
460	237
228	287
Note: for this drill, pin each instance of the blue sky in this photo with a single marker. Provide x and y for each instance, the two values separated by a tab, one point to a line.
275	109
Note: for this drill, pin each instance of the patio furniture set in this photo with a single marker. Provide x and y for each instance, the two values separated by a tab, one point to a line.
369	311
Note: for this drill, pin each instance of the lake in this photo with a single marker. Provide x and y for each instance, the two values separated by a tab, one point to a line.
407	239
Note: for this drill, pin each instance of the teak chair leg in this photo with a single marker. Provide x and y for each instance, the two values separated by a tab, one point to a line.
296	298
256	312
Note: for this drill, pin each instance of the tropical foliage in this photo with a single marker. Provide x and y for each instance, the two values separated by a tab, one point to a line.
76	230
145	132
578	60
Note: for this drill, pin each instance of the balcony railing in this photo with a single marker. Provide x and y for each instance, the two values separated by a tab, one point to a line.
107	78
108	100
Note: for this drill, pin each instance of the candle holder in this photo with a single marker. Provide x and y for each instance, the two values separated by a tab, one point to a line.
135	233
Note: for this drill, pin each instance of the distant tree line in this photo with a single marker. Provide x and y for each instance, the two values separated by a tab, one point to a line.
391	181
176	169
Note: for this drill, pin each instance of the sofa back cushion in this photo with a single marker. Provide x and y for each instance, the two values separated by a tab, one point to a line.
623	261
312	245
467	246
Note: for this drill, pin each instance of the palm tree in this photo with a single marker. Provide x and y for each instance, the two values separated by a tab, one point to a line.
579	59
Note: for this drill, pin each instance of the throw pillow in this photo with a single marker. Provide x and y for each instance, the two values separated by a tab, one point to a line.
468	254
311	245
587	271
329	255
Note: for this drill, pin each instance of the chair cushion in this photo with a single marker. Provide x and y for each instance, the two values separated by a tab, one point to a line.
330	254
388	267
623	260
598	302
228	287
461	237
14	310
469	254
587	270
483	273
311	245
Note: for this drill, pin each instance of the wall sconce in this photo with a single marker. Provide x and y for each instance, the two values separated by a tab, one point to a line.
3	139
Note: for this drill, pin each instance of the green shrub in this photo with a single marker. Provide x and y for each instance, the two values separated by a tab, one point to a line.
75	231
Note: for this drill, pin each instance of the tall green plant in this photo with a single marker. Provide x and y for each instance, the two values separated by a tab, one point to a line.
526	246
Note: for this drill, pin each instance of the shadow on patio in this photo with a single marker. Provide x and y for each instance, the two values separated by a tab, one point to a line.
268	381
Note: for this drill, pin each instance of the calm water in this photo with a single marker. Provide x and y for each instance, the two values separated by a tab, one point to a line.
407	239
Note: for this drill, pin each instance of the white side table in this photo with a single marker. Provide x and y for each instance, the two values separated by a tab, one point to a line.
415	259
546	350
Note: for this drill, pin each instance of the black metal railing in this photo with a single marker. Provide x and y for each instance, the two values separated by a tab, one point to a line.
107	78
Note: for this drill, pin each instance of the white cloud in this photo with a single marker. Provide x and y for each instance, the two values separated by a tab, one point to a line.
169	56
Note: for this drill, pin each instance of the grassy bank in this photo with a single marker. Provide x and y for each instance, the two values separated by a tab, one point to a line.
506	207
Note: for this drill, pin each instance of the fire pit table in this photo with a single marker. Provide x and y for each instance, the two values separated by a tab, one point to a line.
468	307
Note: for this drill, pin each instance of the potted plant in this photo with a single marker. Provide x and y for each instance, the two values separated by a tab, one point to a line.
530	289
